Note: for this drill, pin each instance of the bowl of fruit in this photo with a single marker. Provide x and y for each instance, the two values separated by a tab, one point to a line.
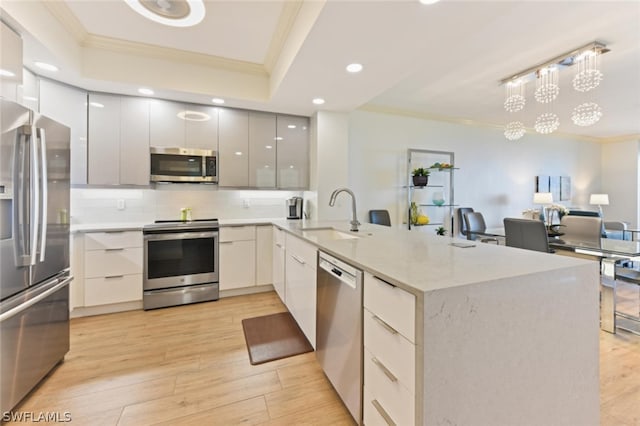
441	166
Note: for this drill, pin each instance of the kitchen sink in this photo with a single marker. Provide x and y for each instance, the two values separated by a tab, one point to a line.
327	234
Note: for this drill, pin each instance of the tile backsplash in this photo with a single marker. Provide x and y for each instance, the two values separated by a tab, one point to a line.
98	205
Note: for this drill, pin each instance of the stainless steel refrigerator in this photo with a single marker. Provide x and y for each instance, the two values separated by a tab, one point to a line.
34	249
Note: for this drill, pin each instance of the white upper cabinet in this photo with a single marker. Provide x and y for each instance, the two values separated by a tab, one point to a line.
104	139
167	128
262	150
28	94
118	140
134	141
233	153
292	137
201	127
10	62
68	105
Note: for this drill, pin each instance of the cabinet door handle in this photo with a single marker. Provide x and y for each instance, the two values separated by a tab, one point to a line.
278	245
226	242
297	259
384	369
383	413
385	325
113	232
110	277
384	282
114	249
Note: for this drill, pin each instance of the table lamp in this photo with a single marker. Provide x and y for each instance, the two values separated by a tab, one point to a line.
599	200
544	199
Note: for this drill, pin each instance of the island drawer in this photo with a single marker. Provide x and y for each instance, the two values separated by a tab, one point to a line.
112	240
392	351
397	401
396	307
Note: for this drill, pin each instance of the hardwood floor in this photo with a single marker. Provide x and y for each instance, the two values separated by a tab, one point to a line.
189	366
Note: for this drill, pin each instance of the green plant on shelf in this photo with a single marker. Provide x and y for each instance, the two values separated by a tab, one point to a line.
441	230
420	176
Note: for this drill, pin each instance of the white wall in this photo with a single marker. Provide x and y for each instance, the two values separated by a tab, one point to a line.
146	205
620	177
330	163
496	176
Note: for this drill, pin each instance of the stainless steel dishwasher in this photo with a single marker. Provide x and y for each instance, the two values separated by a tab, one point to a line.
339	329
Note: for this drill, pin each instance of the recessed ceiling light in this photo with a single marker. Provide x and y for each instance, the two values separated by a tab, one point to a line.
217	101
96	104
238	152
429	1
318	101
268	146
6	73
291	126
354	68
46	67
277	138
145	91
174	13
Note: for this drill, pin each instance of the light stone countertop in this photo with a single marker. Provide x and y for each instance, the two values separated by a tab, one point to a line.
420	262
416	261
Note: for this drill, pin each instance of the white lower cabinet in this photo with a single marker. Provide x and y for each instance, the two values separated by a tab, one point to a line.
279	262
300	284
264	254
112	267
237	257
389	354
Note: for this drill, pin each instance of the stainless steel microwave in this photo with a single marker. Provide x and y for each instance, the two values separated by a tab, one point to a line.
183	165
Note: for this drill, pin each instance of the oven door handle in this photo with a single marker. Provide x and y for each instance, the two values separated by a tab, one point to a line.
180	236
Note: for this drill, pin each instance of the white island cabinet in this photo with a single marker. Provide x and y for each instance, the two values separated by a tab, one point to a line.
300	284
453	337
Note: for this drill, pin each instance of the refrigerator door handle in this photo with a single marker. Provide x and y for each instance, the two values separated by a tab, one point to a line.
57	285
44	184
20	209
35	196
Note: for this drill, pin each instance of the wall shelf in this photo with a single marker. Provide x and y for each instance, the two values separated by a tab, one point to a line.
441	182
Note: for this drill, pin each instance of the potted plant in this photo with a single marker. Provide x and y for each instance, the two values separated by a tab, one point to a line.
441	230
420	176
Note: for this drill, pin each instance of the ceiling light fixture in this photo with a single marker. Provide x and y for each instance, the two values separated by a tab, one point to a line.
193	116
145	91
429	1
291	126
354	68
218	101
318	101
588	76
46	67
174	13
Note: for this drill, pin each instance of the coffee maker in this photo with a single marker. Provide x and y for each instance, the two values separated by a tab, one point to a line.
294	208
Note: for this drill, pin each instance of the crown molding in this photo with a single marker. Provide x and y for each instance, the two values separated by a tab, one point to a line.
175	55
283	28
634	137
426	116
65	16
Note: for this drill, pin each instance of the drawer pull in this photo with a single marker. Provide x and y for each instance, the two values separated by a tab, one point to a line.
278	245
383	413
385	325
114	232
297	259
226	242
384	282
384	369
113	276
114	249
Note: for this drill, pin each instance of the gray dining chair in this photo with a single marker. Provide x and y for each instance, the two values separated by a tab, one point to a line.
616	230
460	212
379	217
477	228
526	234
581	228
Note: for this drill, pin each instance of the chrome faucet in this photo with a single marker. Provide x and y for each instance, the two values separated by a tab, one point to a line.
354	220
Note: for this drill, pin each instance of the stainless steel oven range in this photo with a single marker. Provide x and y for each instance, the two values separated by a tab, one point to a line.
180	263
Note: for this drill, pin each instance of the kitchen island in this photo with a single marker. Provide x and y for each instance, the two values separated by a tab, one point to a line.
501	335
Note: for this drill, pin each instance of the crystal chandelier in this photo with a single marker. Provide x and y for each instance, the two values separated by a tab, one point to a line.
547	88
586	114
588	76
